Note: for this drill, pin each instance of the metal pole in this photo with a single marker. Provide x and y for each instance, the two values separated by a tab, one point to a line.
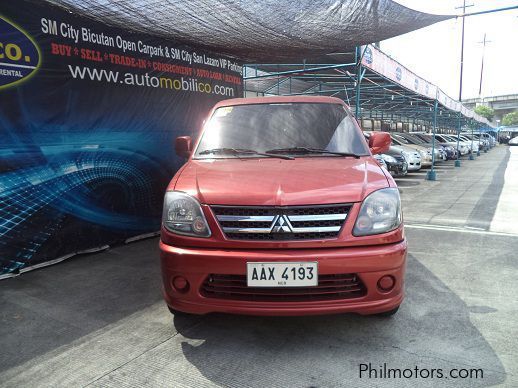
491	11
471	156
462	51
482	65
431	175
358	58
459	127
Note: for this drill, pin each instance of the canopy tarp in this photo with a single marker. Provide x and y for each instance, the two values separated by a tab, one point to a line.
258	31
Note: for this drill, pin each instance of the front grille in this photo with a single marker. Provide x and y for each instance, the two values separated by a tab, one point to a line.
330	287
281	223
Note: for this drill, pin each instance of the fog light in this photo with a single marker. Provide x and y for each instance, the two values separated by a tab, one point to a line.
386	283
199	225
181	284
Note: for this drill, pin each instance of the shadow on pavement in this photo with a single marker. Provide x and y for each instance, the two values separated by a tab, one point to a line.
407	183
431	330
47	308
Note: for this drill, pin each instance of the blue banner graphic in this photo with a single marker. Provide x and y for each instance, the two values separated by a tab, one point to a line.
88	118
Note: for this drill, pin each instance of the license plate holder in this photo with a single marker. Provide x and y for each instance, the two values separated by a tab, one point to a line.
282	274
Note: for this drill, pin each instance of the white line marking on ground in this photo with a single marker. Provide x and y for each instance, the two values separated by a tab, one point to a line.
445	228
504	219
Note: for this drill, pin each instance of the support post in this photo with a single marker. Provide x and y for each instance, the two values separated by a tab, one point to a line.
358	58
478	149
459	127
431	175
471	156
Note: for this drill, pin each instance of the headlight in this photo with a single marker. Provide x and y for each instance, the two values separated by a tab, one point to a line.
182	214
380	213
388	158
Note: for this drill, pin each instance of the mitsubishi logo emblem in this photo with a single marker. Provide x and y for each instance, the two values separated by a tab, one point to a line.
281	224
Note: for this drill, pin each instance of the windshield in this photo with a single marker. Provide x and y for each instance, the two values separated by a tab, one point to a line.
413	139
401	139
287	126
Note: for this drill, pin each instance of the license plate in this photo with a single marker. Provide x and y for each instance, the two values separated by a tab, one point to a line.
293	274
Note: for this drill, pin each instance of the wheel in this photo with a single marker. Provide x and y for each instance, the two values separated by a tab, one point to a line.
388	313
178	313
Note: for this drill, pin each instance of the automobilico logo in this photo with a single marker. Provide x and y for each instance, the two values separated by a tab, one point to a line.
399	73
368	55
19	55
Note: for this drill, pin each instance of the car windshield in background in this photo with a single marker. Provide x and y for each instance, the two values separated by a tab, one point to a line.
401	139
296	129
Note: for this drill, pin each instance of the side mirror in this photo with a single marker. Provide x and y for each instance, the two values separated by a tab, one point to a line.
182	146
379	142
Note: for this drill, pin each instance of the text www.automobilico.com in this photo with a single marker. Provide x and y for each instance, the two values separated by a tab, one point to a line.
187	84
384	371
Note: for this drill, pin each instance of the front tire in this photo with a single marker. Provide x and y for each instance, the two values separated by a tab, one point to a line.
178	313
388	313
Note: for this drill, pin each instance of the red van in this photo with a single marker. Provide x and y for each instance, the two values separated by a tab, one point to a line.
281	209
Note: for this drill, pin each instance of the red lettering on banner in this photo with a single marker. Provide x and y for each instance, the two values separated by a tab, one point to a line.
61	49
91	55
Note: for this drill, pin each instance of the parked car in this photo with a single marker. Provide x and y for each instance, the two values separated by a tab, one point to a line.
489	138
412	138
463	148
281	209
439	146
513	141
472	143
424	153
396	159
380	161
483	143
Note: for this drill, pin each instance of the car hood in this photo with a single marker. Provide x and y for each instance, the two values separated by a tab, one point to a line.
277	182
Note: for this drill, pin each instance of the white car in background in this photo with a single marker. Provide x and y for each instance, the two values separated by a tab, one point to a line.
463	147
482	142
472	144
425	152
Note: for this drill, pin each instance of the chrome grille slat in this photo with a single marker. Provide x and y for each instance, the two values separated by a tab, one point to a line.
245	218
246	230
319	217
281	223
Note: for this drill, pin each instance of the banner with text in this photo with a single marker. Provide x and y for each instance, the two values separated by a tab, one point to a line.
89	115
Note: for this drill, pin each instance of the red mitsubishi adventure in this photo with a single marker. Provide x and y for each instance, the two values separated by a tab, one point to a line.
282	210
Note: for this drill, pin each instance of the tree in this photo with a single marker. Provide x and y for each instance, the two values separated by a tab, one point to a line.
485	111
510	119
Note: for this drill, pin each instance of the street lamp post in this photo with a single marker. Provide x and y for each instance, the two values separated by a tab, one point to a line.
459	126
464	6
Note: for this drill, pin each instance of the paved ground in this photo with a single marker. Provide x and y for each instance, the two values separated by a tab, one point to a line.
99	321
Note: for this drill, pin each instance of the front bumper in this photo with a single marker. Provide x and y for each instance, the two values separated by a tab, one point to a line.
413	164
397	169
369	263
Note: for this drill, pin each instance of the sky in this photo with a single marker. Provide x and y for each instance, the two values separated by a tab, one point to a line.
434	52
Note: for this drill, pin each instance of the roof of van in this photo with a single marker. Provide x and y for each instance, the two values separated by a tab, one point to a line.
280	99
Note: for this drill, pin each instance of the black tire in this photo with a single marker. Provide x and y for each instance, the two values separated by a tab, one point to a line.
388	313
178	313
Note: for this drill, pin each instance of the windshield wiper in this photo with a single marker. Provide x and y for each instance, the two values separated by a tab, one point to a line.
243	151
307	150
